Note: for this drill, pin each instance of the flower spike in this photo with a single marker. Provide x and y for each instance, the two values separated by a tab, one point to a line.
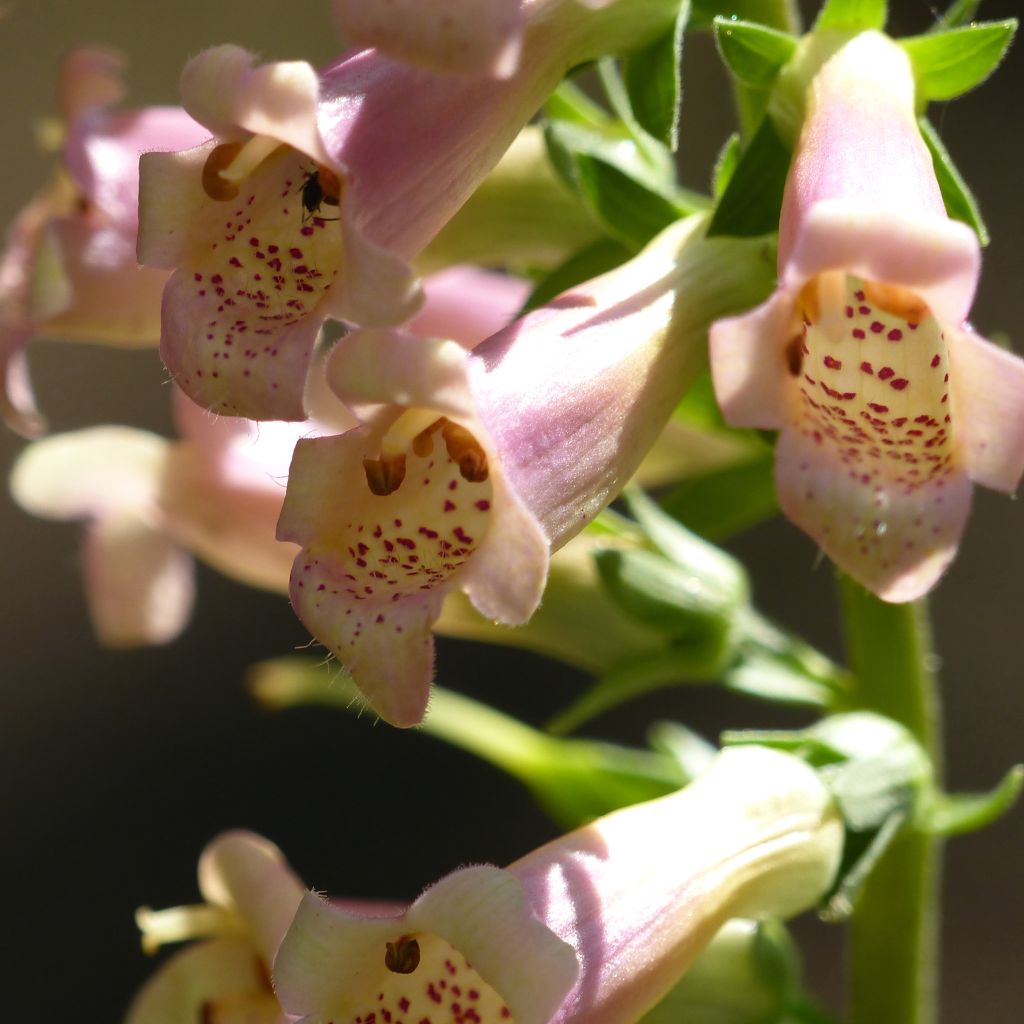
889	405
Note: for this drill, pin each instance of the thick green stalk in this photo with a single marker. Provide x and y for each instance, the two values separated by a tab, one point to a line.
894	935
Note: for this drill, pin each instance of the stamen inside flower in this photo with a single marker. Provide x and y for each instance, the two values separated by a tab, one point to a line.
403	955
182	924
249	157
871	402
414	431
433	985
371	577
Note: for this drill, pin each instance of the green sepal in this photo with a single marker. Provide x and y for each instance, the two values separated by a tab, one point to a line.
749	973
780	14
725	165
589	262
754	53
853	15
752	202
654	82
573	780
725	501
954	814
668	598
628	197
960	12
956	194
717	572
948	64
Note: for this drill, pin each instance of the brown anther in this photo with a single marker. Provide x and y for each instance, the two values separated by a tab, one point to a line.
795	355
384	475
403	955
895	300
464	449
220	157
808	304
423	442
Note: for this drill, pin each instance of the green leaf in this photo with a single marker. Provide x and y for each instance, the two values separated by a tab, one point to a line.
854	15
724	502
654	83
753	53
960	12
614	178
948	64
773	679
753	200
570	103
956	194
725	165
957	813
582	266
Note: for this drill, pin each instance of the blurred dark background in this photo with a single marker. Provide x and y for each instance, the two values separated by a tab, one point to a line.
118	767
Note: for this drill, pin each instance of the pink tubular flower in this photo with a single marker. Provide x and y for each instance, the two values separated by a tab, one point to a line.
464	36
216	492
595	926
315	192
69	269
250	898
890	406
471	468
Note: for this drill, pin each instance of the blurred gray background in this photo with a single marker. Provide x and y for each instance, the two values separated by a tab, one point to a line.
117	767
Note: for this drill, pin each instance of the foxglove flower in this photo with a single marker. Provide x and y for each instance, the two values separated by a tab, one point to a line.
890	406
471	468
215	492
250	898
595	926
69	269
315	192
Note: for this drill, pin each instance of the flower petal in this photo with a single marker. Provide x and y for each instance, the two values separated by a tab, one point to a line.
102	154
247	873
226	90
986	389
90	77
483	912
89	472
449	36
640	891
138	581
477	916
749	364
468	304
220	980
936	258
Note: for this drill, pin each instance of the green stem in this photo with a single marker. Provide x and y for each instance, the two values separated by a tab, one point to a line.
894	936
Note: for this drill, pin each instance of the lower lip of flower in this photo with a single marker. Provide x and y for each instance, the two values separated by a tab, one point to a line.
870	373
